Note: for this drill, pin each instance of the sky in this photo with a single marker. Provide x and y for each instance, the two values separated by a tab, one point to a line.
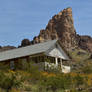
21	19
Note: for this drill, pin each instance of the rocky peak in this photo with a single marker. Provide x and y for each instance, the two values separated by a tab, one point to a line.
85	42
59	27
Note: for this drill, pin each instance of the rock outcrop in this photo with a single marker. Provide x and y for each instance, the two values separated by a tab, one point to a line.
60	27
6	48
25	42
85	42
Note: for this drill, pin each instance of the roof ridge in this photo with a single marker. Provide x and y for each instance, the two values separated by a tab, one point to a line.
29	46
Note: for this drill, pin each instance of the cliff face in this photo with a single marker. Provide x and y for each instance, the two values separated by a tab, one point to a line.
60	27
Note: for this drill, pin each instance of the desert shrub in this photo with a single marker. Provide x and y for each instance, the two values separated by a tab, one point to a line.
14	90
28	88
57	82
9	80
79	81
34	72
87	70
5	82
2	90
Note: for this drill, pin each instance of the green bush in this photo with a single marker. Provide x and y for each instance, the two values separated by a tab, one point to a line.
57	82
9	80
79	81
87	70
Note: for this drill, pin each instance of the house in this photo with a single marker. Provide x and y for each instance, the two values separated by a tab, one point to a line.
41	52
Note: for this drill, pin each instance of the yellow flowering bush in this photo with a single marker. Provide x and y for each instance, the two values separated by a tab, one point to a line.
46	74
14	90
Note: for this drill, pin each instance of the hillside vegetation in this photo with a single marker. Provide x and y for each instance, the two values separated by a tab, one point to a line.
33	80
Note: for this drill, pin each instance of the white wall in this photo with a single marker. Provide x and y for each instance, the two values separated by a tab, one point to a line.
58	52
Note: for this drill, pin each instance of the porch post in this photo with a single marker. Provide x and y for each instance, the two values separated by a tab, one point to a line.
56	61
61	63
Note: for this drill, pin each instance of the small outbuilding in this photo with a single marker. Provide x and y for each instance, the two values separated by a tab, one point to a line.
46	54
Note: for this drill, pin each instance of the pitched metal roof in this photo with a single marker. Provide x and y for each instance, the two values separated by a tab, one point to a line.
26	51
